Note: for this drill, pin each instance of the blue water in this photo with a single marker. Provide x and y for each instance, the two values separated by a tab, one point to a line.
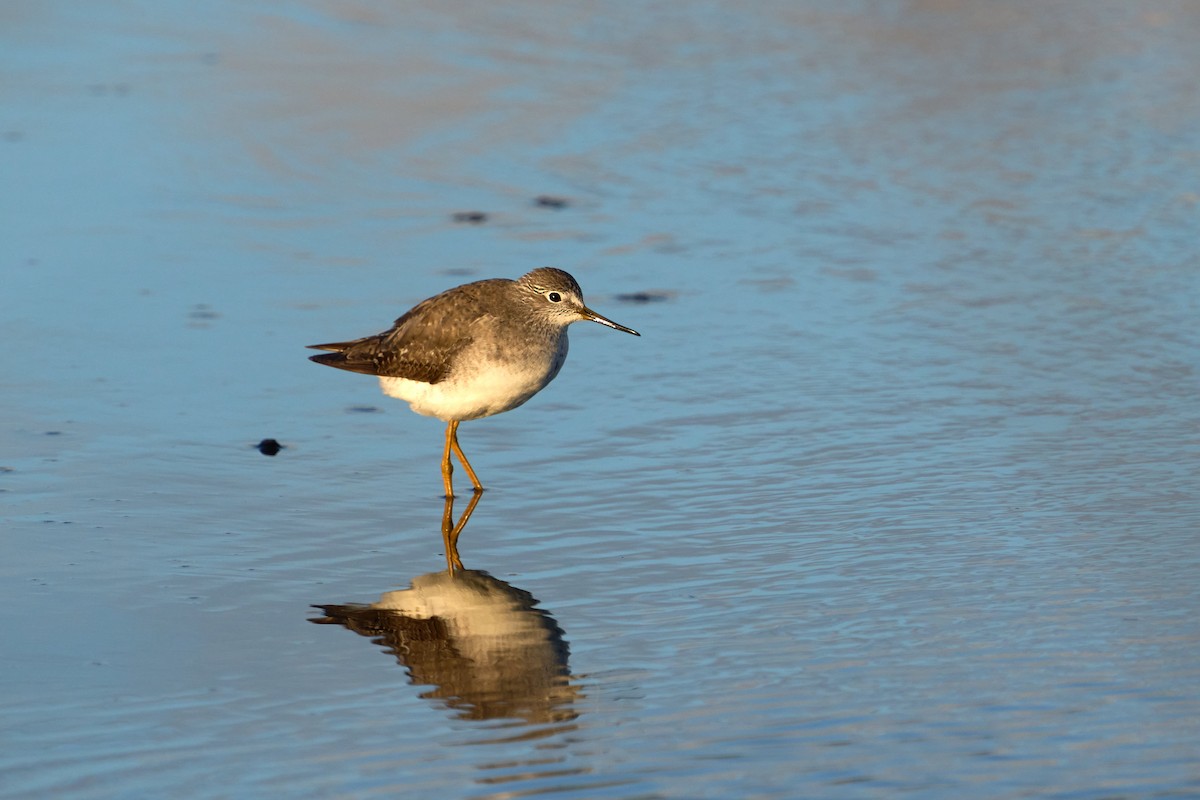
895	495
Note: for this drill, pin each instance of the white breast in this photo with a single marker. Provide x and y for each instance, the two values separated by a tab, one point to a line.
487	387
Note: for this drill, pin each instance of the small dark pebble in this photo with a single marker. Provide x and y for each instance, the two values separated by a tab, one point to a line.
269	447
472	217
546	201
642	297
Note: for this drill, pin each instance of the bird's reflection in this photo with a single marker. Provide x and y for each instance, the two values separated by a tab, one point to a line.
484	646
452	529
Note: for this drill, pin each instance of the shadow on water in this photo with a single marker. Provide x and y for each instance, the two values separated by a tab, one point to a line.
483	645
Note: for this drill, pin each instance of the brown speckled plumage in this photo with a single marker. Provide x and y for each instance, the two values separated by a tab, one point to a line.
472	351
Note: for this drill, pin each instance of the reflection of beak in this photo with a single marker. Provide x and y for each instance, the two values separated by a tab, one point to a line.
594	317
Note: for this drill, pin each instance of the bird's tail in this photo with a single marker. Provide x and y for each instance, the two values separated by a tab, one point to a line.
345	355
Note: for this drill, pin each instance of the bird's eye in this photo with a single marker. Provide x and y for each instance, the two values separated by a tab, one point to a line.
554	297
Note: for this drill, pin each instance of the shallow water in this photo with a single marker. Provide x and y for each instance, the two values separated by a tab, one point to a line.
896	495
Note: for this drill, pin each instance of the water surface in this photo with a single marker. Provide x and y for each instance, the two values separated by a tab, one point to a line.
896	495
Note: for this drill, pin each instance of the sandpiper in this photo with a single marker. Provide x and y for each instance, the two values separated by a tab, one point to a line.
472	351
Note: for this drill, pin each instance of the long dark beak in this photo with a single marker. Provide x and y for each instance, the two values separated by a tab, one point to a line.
594	317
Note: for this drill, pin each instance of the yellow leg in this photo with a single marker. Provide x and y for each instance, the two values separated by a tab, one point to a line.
447	467
452	443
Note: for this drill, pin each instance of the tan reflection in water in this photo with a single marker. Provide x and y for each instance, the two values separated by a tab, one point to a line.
452	529
483	646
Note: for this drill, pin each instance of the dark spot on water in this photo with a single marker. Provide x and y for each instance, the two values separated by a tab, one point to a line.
202	311
547	201
642	297
269	447
53	433
105	89
13	136
471	217
362	410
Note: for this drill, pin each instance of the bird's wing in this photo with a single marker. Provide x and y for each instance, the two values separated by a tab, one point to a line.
420	346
